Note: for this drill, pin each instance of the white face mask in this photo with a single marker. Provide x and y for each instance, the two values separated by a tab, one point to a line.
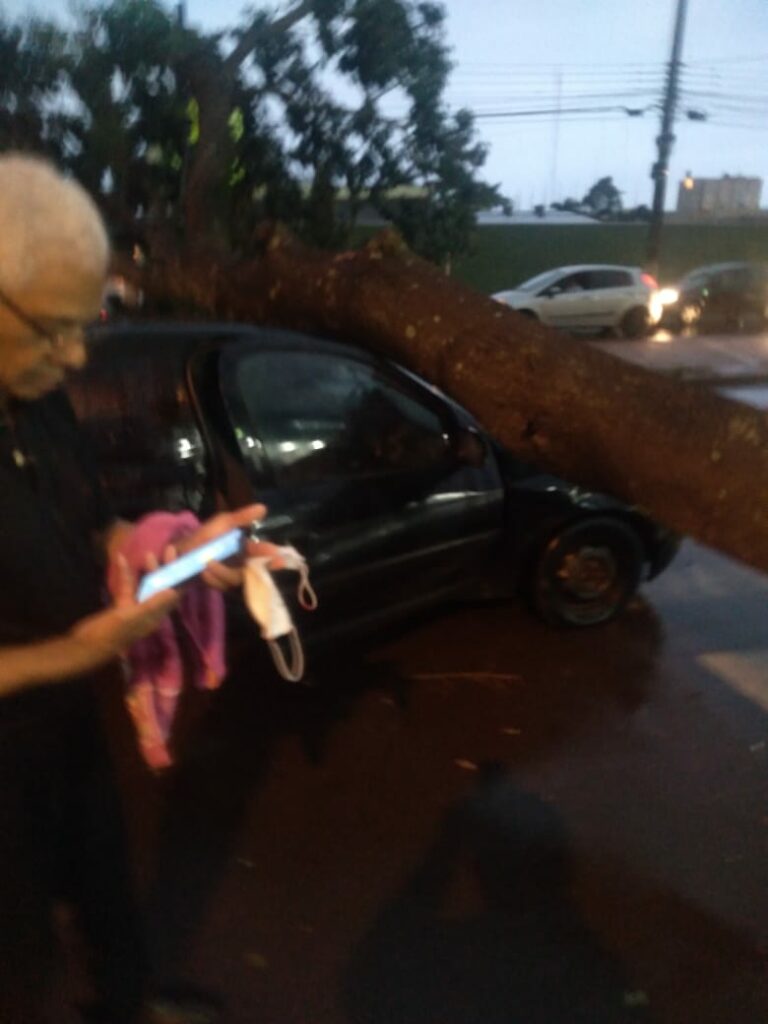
266	605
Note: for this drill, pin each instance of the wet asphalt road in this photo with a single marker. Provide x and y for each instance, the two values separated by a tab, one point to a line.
738	361
480	820
483	820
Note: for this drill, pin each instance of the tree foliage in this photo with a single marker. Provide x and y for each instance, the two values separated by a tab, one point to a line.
602	201
32	64
201	136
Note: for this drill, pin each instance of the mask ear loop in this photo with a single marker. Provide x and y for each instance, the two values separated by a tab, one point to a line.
308	600
295	672
306	592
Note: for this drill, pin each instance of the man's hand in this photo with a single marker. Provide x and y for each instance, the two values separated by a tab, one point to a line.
110	633
90	644
219	575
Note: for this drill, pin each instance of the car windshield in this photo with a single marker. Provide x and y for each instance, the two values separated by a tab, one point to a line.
702	275
540	281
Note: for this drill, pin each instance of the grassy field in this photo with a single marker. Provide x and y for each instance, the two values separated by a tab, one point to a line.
505	255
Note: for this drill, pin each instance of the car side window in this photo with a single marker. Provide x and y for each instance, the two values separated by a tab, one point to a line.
735	280
319	416
721	282
569	283
696	280
609	279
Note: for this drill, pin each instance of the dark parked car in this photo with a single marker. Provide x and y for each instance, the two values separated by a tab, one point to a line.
391	490
723	296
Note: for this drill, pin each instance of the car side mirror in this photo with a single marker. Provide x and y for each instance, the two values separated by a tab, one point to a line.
470	447
552	291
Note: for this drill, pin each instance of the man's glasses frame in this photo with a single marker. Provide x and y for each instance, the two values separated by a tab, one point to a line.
56	339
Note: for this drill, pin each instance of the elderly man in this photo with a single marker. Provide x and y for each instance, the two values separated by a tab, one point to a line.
60	829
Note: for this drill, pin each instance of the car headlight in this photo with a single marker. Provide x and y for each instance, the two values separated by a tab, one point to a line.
668	296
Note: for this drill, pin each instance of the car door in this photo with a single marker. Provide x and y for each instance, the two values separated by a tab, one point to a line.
566	302
726	292
611	292
354	459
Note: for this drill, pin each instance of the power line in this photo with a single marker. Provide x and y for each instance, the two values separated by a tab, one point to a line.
741	71
729	60
731	96
733	124
493	104
569	81
698	62
594	72
543	122
565	65
558	111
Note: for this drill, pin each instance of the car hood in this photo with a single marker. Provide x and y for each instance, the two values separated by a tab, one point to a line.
514	297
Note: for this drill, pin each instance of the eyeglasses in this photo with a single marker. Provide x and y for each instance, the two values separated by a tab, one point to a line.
57	339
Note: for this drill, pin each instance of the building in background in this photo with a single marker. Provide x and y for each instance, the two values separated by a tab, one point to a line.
719	197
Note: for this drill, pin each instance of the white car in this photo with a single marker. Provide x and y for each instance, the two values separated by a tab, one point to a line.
590	297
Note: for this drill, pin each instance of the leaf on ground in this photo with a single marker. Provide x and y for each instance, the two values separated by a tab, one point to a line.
256	960
634	1000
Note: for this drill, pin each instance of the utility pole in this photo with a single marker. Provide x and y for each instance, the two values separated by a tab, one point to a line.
660	170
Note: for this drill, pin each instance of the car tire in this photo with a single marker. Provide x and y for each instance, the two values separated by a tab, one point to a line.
528	314
587	572
690	314
685	318
636	322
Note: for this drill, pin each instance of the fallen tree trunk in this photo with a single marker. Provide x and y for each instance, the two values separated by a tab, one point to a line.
695	461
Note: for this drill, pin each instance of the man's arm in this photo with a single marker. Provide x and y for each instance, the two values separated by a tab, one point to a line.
49	661
91	643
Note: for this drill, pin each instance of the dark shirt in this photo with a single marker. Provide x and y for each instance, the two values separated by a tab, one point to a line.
51	507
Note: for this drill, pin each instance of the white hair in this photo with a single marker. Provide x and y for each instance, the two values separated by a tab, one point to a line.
46	219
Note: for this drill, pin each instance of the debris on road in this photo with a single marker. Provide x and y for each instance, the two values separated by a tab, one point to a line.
479	677
637	999
257	961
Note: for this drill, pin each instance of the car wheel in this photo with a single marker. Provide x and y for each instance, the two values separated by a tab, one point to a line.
528	314
690	314
636	323
587	572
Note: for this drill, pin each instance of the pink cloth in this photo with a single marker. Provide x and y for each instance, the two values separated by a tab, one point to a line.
155	668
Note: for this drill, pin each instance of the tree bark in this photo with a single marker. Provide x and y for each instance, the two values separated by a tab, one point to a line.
211	81
693	460
211	157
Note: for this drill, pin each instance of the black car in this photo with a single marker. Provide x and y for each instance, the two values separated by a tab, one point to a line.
392	491
723	296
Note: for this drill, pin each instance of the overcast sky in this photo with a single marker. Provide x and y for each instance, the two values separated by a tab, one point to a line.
516	56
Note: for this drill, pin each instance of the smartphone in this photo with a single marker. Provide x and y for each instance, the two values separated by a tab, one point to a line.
191	564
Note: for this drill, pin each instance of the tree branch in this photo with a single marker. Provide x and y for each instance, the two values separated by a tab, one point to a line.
249	38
